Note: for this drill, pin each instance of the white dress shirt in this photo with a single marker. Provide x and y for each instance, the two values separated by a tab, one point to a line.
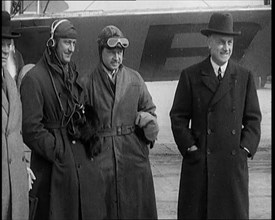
216	67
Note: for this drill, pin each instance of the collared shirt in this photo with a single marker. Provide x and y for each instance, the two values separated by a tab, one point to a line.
111	74
216	67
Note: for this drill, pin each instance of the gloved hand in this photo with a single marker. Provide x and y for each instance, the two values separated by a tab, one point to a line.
149	124
31	177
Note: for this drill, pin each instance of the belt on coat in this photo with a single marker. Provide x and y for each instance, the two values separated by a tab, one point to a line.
53	125
117	131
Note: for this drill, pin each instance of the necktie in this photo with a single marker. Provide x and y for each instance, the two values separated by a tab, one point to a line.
219	74
112	81
113	76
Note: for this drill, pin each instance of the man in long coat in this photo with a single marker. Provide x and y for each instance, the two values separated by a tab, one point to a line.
67	180
128	126
15	203
216	125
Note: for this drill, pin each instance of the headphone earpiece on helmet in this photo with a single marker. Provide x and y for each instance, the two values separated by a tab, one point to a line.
51	41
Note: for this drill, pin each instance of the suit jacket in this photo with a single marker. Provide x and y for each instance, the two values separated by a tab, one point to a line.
223	118
15	204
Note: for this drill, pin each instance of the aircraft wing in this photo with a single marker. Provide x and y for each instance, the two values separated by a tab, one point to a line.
162	43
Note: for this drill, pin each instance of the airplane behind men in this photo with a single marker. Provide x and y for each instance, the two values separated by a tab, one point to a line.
162	42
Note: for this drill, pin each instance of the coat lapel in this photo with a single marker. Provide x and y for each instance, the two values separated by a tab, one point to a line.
225	86
5	102
10	103
209	78
105	80
6	96
12	96
120	85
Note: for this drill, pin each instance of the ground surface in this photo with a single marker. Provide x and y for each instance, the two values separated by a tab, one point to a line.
166	160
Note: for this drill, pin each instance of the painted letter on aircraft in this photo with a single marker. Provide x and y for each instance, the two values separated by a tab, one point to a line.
162	43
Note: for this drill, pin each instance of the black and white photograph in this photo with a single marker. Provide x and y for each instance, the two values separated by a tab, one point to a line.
136	109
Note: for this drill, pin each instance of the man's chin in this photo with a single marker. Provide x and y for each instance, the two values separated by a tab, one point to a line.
115	67
67	61
225	58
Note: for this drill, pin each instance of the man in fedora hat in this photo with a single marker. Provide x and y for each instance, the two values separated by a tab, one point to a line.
15	203
218	98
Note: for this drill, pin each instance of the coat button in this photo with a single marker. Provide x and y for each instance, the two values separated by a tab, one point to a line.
233	152
73	141
78	166
10	160
209	131
119	130
233	131
208	151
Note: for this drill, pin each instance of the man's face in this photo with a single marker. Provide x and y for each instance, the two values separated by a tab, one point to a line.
65	48
6	45
221	48
112	58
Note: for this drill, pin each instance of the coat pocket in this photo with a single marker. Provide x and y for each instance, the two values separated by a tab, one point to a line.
33	201
144	150
193	157
59	149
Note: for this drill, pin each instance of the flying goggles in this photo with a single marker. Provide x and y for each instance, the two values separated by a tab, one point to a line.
113	42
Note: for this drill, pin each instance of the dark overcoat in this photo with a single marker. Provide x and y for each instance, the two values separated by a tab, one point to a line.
67	182
220	119
15	203
124	160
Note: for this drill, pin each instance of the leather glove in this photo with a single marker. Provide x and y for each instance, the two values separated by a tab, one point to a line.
149	124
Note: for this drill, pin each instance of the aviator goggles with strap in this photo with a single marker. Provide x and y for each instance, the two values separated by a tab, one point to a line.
114	41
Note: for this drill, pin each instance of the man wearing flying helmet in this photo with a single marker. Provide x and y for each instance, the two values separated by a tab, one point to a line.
128	126
51	98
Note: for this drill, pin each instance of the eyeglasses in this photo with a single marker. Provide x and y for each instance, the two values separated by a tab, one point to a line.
113	42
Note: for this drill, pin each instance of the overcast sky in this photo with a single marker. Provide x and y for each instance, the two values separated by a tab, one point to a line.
120	6
145	4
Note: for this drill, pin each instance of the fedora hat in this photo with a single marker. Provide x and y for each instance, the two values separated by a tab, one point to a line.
6	26
220	23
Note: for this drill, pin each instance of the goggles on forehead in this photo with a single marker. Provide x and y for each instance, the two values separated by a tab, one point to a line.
113	42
